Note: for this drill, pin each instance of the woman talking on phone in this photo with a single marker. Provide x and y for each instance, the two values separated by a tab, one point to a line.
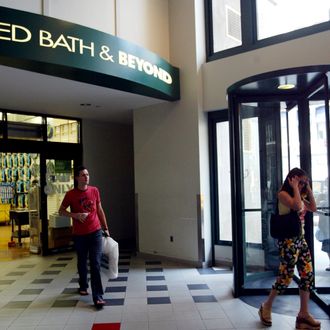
295	194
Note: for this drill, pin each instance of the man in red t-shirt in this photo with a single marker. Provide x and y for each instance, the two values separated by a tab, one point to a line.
88	221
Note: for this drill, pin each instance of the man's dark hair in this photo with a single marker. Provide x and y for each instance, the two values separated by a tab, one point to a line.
76	173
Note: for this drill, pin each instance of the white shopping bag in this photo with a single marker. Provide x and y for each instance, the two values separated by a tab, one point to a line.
110	257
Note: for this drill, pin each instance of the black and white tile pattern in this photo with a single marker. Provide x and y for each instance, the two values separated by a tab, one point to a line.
42	293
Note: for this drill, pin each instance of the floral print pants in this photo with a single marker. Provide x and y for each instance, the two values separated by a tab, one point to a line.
294	252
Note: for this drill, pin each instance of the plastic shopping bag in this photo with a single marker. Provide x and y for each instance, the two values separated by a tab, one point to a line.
110	257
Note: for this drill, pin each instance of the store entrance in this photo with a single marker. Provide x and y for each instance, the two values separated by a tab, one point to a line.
19	173
37	154
32	186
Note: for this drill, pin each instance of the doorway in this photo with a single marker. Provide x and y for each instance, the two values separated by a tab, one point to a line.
58	180
272	131
37	155
19	172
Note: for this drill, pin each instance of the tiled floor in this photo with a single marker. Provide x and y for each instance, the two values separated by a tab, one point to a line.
41	293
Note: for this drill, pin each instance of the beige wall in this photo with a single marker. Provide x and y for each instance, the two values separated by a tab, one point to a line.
33	6
96	14
146	23
166	151
219	75
143	22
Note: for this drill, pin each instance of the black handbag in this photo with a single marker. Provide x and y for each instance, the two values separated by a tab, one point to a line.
285	226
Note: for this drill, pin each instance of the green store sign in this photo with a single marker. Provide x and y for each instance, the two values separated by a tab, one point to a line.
59	48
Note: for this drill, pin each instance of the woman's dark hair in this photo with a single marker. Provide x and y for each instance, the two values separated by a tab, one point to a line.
294	172
76	173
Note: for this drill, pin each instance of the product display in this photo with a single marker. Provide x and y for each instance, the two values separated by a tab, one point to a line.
17	171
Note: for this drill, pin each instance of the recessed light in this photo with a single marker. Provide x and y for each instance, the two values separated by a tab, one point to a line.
286	86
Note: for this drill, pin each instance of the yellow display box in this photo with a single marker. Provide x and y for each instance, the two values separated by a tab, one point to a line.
4	213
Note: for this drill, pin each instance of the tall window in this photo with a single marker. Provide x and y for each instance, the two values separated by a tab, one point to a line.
276	17
235	26
227	28
223	170
220	176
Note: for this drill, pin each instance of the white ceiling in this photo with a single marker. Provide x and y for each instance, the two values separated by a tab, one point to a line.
27	91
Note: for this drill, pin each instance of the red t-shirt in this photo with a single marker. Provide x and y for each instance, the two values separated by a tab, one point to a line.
81	201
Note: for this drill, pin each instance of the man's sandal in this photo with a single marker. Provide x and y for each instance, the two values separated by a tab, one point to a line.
83	292
99	303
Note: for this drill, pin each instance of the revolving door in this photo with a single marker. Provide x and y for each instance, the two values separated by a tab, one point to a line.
273	130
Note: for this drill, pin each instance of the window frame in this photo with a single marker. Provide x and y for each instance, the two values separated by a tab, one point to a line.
249	32
5	126
215	117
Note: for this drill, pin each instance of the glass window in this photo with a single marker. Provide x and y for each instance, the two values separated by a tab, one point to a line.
319	146
285	142
1	125
62	130
290	139
276	17
227	31
24	127
293	142
224	189
236	26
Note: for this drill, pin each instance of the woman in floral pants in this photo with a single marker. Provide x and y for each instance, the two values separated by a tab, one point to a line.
295	194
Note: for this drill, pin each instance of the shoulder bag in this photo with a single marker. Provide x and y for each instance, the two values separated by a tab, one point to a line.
285	226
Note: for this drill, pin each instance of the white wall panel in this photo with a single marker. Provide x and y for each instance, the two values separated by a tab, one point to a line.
145	22
32	6
96	14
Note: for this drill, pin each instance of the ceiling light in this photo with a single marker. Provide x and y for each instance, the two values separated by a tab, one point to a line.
286	86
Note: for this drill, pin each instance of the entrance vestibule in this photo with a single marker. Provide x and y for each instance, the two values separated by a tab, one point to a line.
266	132
274	128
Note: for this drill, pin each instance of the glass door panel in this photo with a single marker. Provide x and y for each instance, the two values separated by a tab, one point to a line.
293	141
59	180
290	144
262	176
251	163
320	170
254	255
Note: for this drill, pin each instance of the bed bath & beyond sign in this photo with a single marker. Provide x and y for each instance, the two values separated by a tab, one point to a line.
36	38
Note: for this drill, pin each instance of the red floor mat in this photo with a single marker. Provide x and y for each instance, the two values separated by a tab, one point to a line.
106	326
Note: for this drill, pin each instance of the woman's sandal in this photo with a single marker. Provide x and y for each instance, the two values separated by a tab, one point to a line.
265	316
